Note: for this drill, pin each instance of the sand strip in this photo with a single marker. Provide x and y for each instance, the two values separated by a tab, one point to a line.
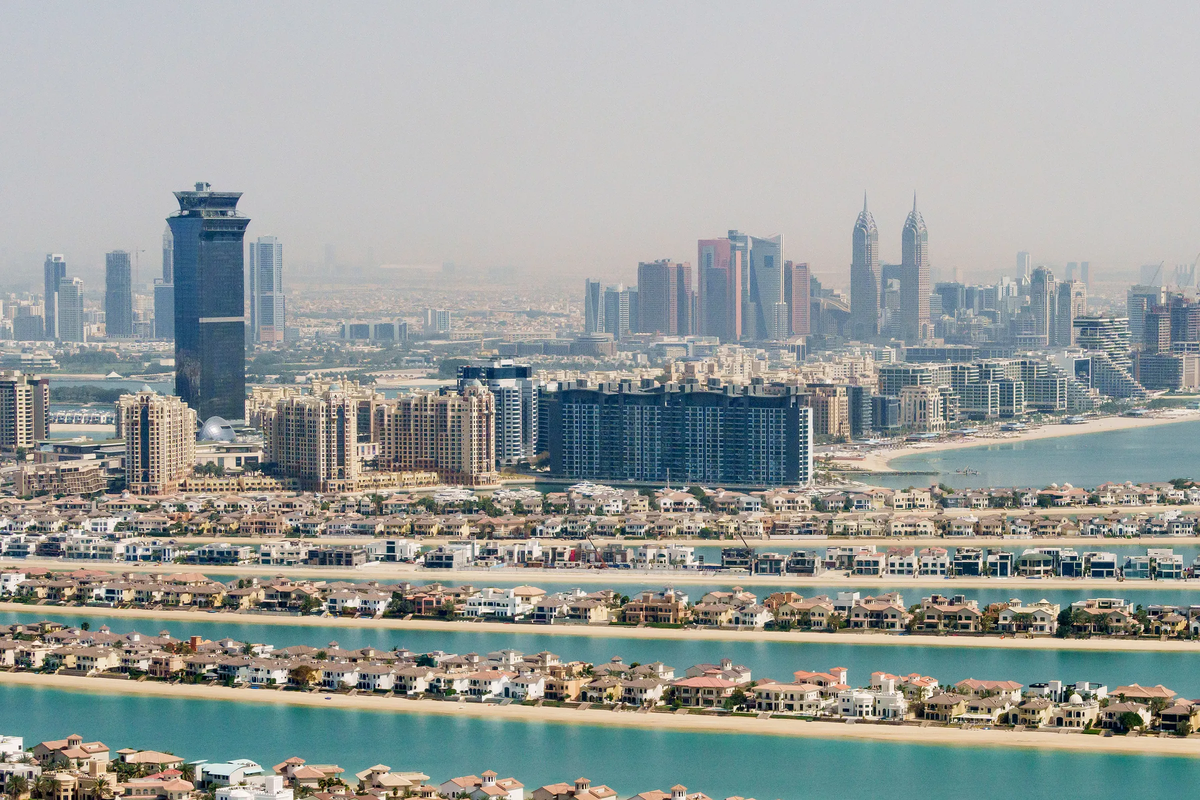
622	632
911	734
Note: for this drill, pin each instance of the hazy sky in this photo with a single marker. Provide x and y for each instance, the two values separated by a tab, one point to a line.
583	138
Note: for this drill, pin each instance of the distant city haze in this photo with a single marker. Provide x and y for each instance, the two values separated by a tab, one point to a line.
571	139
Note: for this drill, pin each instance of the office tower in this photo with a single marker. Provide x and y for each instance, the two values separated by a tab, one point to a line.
168	256
164	310
54	270
1070	301
750	436
210	313
719	289
118	294
516	406
69	310
796	280
1041	302
268	314
634	306
664	297
160	442
593	307
1139	300
865	303
438	320
452	433
314	439
1024	265
1084	273
24	405
765	272
1185	319
1071	267
914	286
619	311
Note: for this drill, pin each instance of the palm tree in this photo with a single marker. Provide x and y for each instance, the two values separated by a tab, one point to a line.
102	791
188	772
17	786
44	787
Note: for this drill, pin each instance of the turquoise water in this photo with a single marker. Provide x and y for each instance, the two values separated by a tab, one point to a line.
776	660
1157	453
631	761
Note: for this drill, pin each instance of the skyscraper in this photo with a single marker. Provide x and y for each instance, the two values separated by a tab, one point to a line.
619	311
164	310
168	256
268	311
118	294
314	439
719	289
593	307
69	310
1070	303
1042	303
54	270
664	297
160	442
796	279
914	286
1024	265
865	278
210	318
766	287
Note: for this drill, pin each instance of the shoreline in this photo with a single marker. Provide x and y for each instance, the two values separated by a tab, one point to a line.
880	461
614	577
908	734
622	632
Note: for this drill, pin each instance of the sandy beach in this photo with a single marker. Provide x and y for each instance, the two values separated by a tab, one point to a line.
619	631
615	577
880	460
910	734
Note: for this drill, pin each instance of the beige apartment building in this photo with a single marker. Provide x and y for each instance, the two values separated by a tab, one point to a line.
160	442
314	439
922	409
831	410
24	405
449	432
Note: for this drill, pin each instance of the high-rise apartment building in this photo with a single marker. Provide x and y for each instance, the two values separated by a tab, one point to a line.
24	406
865	300
1042	302
160	442
665	297
796	282
210	313
914	285
515	389
70	325
752	435
1070	301
593	307
438	321
1085	269
719	289
118	294
452	433
314	439
54	270
1140	299
268	306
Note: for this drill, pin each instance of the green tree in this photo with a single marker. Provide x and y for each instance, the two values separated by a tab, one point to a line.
17	786
1129	721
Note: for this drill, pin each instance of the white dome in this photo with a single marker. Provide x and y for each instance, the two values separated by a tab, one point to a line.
217	429
1076	700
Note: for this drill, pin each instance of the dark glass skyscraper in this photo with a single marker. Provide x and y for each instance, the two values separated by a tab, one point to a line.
118	294
210	317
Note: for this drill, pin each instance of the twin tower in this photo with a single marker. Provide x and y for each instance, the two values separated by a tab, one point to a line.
871	316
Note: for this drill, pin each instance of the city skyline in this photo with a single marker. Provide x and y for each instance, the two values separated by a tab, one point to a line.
987	168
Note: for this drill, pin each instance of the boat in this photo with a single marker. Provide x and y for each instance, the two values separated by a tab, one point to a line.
966	471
